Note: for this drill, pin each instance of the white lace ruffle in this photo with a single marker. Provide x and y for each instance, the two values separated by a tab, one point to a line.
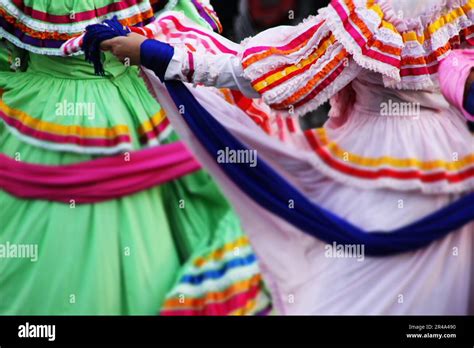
70	28
284	91
349	74
273	62
38	50
337	28
336	24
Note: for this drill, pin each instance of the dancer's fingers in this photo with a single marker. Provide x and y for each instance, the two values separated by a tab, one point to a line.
108	45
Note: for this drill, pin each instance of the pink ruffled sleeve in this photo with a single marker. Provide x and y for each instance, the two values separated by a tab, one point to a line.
296	69
299	68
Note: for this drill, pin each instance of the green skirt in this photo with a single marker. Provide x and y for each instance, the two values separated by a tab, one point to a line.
118	257
5	56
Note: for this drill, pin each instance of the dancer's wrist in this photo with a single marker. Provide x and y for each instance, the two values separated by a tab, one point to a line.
156	55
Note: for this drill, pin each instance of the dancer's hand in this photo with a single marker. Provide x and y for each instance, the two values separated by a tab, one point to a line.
125	48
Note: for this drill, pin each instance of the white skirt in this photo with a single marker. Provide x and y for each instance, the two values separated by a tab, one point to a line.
309	277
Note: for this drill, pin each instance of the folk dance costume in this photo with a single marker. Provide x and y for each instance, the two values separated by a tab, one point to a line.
391	172
92	173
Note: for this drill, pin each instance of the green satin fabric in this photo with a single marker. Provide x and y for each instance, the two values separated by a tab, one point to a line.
115	258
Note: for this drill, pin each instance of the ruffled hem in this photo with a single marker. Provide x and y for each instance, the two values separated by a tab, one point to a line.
422	42
366	165
224	279
298	70
44	33
63	22
422	21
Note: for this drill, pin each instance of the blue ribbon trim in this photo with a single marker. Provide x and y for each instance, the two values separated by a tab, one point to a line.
216	274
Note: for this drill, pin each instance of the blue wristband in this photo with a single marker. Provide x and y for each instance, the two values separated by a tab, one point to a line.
156	56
